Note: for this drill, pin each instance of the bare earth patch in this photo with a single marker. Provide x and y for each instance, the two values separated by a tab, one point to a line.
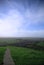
7	58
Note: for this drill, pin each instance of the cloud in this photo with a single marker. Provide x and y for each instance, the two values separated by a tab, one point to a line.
18	21
34	33
11	24
35	17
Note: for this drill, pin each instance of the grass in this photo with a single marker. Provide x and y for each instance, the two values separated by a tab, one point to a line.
2	51
25	56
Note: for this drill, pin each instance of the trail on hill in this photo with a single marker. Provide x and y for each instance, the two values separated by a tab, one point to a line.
7	58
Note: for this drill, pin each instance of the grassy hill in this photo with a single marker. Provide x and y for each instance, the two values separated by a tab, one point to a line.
2	52
25	56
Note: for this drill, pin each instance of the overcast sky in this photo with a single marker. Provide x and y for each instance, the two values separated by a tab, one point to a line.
21	18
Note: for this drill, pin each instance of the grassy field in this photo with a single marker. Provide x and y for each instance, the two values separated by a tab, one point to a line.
25	56
2	51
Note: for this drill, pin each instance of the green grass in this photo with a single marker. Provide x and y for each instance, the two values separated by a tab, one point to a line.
25	56
2	51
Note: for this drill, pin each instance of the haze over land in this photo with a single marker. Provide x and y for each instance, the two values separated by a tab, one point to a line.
21	18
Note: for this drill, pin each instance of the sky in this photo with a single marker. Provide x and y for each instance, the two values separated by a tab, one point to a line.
21	18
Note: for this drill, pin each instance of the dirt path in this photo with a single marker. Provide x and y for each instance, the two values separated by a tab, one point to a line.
7	58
